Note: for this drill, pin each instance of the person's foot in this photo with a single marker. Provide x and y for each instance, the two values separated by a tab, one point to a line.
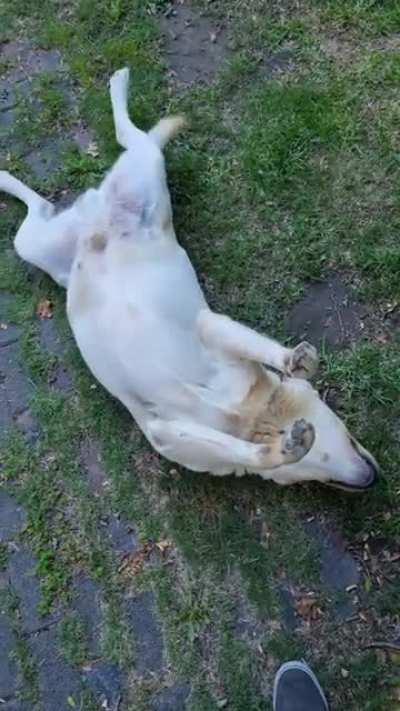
296	688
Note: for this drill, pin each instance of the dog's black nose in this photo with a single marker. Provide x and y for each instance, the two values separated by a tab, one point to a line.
371	474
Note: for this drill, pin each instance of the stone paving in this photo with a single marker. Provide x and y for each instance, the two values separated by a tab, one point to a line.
58	681
60	685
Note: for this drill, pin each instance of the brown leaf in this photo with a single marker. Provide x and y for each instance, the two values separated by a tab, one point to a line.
390	307
308	609
163	545
351	588
265	535
394	557
44	309
133	564
93	149
396	694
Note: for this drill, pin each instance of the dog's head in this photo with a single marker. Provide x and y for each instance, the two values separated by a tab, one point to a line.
335	457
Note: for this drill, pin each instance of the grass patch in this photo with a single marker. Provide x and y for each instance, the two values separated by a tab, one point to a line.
73	639
3	556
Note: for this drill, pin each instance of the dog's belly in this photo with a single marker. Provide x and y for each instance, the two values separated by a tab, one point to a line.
148	362
167	288
135	324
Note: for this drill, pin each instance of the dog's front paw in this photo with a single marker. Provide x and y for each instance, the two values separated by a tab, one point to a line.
297	441
304	361
285	446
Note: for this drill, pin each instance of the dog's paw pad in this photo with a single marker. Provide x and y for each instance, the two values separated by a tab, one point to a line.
298	441
304	361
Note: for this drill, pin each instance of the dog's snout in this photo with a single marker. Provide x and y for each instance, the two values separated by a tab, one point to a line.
366	474
363	478
367	468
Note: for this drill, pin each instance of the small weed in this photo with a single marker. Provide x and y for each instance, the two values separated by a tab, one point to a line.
52	100
3	556
82	169
73	639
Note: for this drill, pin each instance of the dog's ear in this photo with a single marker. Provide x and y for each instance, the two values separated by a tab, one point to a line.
166	129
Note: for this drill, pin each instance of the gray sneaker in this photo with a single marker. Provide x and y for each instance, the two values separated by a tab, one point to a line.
296	688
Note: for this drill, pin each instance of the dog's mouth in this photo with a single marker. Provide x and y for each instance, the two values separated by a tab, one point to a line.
350	488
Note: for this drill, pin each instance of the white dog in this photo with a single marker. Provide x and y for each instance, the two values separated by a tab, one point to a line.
196	382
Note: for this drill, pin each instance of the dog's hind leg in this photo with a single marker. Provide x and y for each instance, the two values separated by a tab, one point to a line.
126	132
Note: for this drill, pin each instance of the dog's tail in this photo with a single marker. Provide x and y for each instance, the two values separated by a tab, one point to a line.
166	129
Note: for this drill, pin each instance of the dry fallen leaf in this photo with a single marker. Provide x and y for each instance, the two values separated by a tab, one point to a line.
351	588
393	557
266	534
163	545
308	609
133	564
396	694
390	307
367	584
93	149
45	309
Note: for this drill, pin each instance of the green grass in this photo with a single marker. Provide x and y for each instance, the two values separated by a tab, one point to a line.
53	102
3	556
370	17
26	667
281	179
72	639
